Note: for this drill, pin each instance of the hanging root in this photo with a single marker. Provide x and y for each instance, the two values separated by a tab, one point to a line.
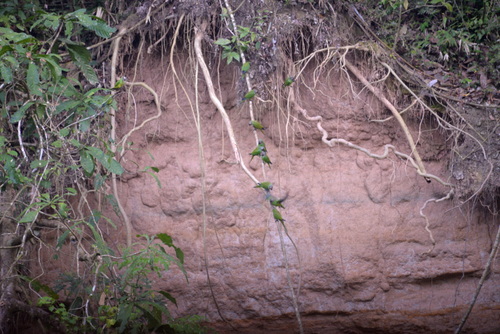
123	141
331	142
217	103
126	219
395	113
229	128
289	280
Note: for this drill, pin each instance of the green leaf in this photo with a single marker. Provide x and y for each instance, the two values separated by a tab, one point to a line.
168	296
97	153
29	217
180	254
245	67
62	239
156	170
68	28
84	125
38	163
87	162
79	53
33	79
12	60
94	24
55	69
57	144
5	49
101	29
244	31
40	110
222	41
88	72
115	167
6	73
64	132
123	316
46	184
235	55
166	239
75	142
18	115
62	209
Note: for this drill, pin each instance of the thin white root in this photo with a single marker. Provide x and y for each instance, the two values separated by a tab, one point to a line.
387	147
427	224
123	141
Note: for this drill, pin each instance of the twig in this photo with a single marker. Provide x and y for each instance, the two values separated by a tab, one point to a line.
201	62
20	139
396	39
135	26
201	158
391	117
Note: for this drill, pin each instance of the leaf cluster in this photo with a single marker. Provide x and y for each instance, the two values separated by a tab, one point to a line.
442	33
123	290
243	39
54	147
52	108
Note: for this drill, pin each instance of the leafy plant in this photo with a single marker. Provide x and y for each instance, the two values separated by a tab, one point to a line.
54	149
241	41
127	300
450	32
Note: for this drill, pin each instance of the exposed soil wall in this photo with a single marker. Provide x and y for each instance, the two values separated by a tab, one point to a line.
367	262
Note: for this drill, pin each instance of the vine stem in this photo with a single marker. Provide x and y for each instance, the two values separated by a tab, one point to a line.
114	58
485	275
288	278
247	78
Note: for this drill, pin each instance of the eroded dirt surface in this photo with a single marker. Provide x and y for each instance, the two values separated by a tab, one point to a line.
367	263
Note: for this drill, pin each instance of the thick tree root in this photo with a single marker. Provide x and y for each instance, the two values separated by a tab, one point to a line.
395	113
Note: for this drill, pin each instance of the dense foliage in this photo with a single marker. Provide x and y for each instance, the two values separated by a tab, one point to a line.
455	40
55	154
